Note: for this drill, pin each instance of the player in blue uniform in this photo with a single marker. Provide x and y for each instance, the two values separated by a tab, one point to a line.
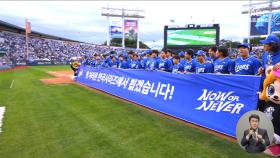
135	62
272	45
142	57
177	67
169	55
266	60
245	64
223	64
86	61
93	60
163	63
113	62
189	66
123	62
203	66
152	62
182	58
269	58
212	54
272	52
98	62
130	55
146	59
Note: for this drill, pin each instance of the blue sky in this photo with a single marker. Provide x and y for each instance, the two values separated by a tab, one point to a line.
82	20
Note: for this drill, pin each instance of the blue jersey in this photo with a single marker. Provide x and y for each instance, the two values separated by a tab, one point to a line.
176	68
183	61
105	64
266	60
107	59
125	64
152	64
223	66
135	64
86	62
98	64
165	65
145	62
206	67
247	66
190	66
93	62
170	59
113	64
275	57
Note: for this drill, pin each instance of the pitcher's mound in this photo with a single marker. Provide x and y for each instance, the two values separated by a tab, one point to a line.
62	77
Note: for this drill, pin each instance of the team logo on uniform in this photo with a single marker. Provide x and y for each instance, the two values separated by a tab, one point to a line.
218	67
241	67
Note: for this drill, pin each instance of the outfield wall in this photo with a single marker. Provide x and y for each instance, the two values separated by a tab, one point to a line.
213	101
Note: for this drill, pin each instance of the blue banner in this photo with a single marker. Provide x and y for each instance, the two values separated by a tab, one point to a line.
209	100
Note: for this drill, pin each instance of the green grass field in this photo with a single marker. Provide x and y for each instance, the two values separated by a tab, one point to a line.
69	121
191	37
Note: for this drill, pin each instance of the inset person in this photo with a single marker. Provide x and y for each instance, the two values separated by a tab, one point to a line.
255	139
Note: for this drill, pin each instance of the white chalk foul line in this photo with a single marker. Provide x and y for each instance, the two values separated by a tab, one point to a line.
11	86
2	111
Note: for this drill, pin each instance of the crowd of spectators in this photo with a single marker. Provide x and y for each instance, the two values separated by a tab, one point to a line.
46	49
62	52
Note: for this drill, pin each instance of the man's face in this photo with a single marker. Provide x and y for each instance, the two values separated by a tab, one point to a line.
244	52
187	55
135	57
113	59
176	61
162	55
267	47
218	54
153	55
200	58
168	54
212	53
254	123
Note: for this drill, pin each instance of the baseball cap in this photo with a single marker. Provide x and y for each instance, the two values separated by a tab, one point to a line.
148	51
200	52
271	39
245	45
182	53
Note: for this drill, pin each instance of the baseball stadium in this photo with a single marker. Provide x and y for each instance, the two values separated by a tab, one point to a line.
197	96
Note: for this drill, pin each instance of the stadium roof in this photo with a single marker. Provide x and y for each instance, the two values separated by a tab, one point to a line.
14	28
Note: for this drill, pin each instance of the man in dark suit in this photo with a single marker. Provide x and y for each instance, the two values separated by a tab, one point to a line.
255	139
